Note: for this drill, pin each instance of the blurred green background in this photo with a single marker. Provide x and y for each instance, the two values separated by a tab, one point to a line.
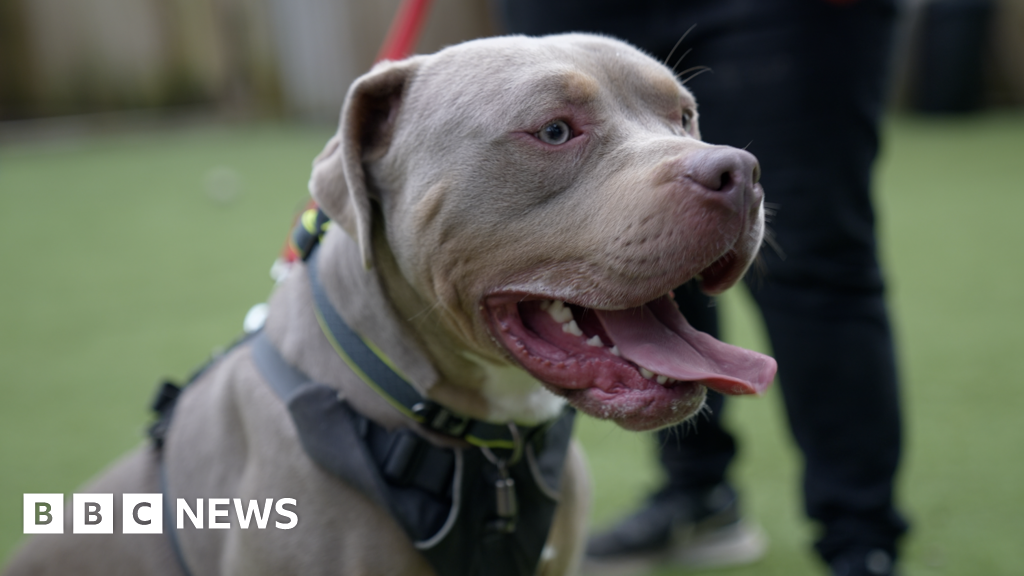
127	257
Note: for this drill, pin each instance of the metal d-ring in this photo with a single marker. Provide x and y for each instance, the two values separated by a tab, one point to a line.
517	449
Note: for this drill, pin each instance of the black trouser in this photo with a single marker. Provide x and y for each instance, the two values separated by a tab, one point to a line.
800	83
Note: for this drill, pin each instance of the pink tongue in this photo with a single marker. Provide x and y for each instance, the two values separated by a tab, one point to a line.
657	337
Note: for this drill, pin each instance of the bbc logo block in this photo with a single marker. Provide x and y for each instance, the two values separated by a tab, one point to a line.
92	513
44	513
144	513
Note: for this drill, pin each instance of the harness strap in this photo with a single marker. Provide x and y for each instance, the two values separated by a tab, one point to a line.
172	532
361	452
163	404
448	500
402	456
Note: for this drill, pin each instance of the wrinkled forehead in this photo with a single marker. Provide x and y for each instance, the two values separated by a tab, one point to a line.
517	73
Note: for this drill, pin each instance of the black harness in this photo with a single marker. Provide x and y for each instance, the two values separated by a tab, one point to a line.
485	508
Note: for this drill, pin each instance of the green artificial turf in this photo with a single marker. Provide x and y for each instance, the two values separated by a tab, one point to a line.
127	258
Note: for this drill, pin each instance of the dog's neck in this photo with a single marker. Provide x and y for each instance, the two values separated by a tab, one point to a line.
384	309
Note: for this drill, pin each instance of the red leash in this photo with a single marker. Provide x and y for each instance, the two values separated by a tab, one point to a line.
398	44
405	29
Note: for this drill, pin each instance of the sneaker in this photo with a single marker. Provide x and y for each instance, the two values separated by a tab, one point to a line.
875	562
693	530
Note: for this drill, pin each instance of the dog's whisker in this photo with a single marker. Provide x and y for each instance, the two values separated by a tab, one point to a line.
691	69
425	312
668	437
699	70
680	61
678	42
769	240
760	266
419	314
706	411
689	426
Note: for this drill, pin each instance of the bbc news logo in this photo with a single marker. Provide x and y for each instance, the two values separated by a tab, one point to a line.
144	513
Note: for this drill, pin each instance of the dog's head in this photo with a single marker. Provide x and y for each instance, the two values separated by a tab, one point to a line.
542	197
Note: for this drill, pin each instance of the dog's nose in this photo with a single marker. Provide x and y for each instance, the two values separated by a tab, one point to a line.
727	173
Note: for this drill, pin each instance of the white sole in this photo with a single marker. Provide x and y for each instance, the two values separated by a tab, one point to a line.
736	545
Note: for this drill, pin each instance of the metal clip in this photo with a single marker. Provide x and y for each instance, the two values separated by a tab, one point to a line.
505	493
506	503
440	419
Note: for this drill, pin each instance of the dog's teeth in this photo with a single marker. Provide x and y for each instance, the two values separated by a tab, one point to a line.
545	304
559	312
661	379
572	328
595	340
646	373
614	350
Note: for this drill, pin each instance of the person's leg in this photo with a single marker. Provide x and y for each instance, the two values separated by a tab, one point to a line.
696	454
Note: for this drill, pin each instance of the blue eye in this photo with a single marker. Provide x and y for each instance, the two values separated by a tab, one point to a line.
555	133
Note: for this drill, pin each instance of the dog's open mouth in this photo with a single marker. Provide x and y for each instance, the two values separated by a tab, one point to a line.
643	367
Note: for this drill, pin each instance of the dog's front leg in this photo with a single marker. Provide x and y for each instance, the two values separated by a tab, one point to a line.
568	536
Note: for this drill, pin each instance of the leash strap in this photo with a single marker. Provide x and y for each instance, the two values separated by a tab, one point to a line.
405	28
398	44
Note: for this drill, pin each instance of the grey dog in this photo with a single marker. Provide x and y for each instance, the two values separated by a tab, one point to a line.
510	217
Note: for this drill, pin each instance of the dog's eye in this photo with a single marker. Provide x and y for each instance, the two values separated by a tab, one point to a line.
555	133
687	120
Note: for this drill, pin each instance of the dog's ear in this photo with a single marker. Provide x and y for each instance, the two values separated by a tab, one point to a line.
338	183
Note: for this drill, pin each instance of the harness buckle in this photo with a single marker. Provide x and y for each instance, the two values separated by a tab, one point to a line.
440	419
163	403
307	232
